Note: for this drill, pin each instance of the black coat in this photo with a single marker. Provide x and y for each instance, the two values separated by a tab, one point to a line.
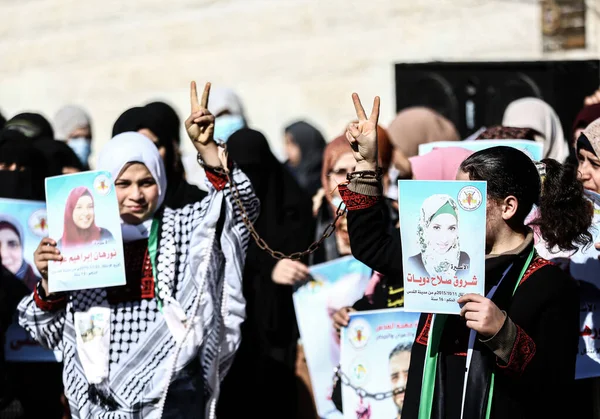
539	379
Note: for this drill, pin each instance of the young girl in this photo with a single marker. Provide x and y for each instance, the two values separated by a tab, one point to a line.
160	345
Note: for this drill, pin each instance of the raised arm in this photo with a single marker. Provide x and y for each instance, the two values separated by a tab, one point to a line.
370	239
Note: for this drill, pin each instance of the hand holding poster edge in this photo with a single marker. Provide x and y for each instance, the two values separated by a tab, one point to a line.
481	314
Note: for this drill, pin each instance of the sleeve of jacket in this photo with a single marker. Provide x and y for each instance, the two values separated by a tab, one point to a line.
370	238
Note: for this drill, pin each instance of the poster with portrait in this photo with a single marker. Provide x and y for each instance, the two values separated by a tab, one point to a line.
333	285
83	216
22	225
533	149
442	227
584	266
375	357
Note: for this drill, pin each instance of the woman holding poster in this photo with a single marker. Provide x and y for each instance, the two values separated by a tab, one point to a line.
511	352
160	345
80	225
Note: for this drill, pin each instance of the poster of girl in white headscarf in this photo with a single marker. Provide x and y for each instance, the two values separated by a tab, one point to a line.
83	215
442	227
22	225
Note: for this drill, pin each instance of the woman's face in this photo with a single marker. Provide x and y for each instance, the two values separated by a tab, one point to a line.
11	250
442	233
137	193
345	164
83	214
292	150
589	170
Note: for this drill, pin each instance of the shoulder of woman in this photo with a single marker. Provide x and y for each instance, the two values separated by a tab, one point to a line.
547	277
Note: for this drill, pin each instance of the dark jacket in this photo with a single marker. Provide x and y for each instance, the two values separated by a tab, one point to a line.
12	290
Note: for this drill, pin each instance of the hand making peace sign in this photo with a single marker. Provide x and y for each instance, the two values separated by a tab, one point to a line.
200	126
363	136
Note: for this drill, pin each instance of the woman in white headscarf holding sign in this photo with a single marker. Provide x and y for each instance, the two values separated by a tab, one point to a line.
160	345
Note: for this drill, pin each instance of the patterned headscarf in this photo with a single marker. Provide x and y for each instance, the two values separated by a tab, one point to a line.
590	138
437	263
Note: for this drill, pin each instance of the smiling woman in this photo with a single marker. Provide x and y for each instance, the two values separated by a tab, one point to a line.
137	193
80	221
438	238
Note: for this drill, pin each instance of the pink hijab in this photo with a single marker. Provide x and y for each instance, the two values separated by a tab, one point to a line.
439	163
73	235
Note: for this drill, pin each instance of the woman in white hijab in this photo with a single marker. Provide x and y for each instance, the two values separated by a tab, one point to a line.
536	114
161	344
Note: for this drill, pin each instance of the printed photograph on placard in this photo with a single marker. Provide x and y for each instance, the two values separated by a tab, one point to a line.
84	220
375	357
533	149
22	225
442	227
336	284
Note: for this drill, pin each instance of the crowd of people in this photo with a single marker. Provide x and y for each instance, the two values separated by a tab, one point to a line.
205	326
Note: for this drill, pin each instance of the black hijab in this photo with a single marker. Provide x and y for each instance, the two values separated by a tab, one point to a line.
285	223
179	192
58	155
27	183
30	125
166	116
311	144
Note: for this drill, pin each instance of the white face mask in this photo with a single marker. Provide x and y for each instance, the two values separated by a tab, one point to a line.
226	125
82	148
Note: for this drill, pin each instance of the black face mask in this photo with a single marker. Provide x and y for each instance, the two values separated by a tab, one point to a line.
19	185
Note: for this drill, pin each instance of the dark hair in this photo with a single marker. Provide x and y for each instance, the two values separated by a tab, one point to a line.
401	347
565	215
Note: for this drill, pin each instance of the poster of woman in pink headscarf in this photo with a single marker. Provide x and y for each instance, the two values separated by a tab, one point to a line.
80	227
83	218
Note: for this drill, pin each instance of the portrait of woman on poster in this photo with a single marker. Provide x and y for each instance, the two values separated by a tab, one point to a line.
80	227
12	252
438	239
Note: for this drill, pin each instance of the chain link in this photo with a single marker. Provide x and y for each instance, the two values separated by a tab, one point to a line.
329	230
360	392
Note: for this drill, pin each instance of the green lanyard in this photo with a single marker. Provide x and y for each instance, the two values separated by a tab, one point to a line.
431	357
153	250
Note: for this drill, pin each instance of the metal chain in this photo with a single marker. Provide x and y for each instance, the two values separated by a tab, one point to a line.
360	392
263	245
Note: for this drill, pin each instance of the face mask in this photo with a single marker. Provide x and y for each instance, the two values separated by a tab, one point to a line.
226	125
336	201
82	148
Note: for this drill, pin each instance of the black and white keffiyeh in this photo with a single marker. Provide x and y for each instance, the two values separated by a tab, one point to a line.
199	265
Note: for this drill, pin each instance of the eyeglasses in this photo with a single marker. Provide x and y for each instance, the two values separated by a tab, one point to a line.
340	174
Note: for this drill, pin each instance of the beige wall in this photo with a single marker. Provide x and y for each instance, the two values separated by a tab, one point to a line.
287	59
